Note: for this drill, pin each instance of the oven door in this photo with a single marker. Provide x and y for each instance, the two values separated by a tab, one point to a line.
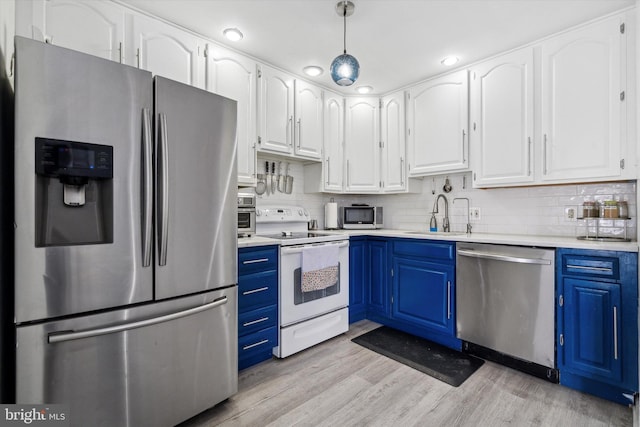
246	221
296	305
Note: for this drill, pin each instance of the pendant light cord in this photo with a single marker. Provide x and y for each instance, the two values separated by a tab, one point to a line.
344	32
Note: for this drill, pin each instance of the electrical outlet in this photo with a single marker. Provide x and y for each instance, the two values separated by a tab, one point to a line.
474	214
570	213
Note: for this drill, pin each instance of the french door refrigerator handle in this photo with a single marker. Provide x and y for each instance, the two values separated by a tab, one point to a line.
163	197
54	337
501	257
147	214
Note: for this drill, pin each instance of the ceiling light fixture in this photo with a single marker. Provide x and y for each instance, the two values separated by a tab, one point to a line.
449	60
364	90
313	70
233	34
345	68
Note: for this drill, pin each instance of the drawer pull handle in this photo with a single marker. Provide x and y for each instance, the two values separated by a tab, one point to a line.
253	322
247	347
583	267
254	261
253	291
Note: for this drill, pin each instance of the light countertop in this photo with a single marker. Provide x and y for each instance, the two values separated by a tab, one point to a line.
503	239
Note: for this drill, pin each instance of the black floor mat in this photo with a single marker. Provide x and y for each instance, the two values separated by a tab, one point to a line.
443	363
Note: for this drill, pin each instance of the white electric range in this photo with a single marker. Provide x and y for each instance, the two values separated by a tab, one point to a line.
305	317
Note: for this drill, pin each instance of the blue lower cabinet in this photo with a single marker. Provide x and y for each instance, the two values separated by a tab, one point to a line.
379	300
257	304
422	294
256	347
411	287
358	278
597	325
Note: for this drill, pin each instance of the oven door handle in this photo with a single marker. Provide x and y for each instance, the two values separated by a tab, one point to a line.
298	249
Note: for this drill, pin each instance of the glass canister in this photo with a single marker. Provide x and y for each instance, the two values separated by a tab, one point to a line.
623	209
610	209
589	209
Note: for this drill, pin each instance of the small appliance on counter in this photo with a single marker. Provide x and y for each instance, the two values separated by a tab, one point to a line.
360	217
246	214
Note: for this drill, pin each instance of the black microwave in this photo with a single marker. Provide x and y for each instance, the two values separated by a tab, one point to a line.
360	217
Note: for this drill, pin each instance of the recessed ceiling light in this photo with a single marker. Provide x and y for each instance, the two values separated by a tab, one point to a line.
364	89
313	70
449	60
233	34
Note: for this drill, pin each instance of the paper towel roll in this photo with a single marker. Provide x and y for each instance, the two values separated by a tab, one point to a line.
331	216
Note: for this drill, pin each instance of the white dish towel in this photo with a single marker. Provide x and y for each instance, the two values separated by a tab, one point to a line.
319	267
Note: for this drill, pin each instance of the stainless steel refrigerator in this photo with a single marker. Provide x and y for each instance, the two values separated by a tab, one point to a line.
125	241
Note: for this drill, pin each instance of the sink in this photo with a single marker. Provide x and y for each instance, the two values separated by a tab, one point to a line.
437	233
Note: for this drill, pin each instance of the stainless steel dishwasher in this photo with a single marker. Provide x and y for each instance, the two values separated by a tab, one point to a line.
505	305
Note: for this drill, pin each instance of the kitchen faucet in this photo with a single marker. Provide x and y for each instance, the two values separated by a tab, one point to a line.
445	221
468	204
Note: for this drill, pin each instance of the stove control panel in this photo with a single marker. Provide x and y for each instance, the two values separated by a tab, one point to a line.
282	214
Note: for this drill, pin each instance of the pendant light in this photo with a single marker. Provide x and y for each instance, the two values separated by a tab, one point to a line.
345	68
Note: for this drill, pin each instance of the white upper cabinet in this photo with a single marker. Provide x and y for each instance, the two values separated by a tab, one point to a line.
168	51
308	120
393	166
362	145
333	142
582	103
290	115
502	116
437	128
275	110
234	76
92	27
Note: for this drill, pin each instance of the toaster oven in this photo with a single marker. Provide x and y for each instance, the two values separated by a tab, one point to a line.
246	214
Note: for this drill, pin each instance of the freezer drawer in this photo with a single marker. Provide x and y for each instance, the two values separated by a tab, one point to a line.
156	374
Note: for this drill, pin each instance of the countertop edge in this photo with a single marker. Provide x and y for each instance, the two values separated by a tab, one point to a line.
504	239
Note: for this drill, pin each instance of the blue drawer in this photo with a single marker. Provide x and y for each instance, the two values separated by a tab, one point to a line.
254	320
257	290
262	258
256	347
412	247
591	266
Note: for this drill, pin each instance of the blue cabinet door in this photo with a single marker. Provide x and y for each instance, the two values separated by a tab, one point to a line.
358	278
590	344
423	294
378	292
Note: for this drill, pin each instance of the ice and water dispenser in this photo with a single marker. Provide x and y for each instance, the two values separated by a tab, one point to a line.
74	193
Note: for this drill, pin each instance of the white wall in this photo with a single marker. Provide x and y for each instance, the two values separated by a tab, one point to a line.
522	210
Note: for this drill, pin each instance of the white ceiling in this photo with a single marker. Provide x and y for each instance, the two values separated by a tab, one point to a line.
397	42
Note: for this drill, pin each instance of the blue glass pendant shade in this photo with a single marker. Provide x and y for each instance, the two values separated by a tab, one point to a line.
345	70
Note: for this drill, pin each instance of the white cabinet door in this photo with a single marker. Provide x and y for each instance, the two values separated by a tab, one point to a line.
392	129
234	76
308	117
502	116
275	111
581	103
333	142
437	113
92	27
168	51
362	145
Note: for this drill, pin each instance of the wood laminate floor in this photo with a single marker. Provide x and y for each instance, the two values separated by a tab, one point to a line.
339	383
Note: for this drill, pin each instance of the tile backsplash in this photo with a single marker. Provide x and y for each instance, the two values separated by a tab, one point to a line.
540	210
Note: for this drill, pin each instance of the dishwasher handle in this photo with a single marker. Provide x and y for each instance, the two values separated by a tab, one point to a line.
503	257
